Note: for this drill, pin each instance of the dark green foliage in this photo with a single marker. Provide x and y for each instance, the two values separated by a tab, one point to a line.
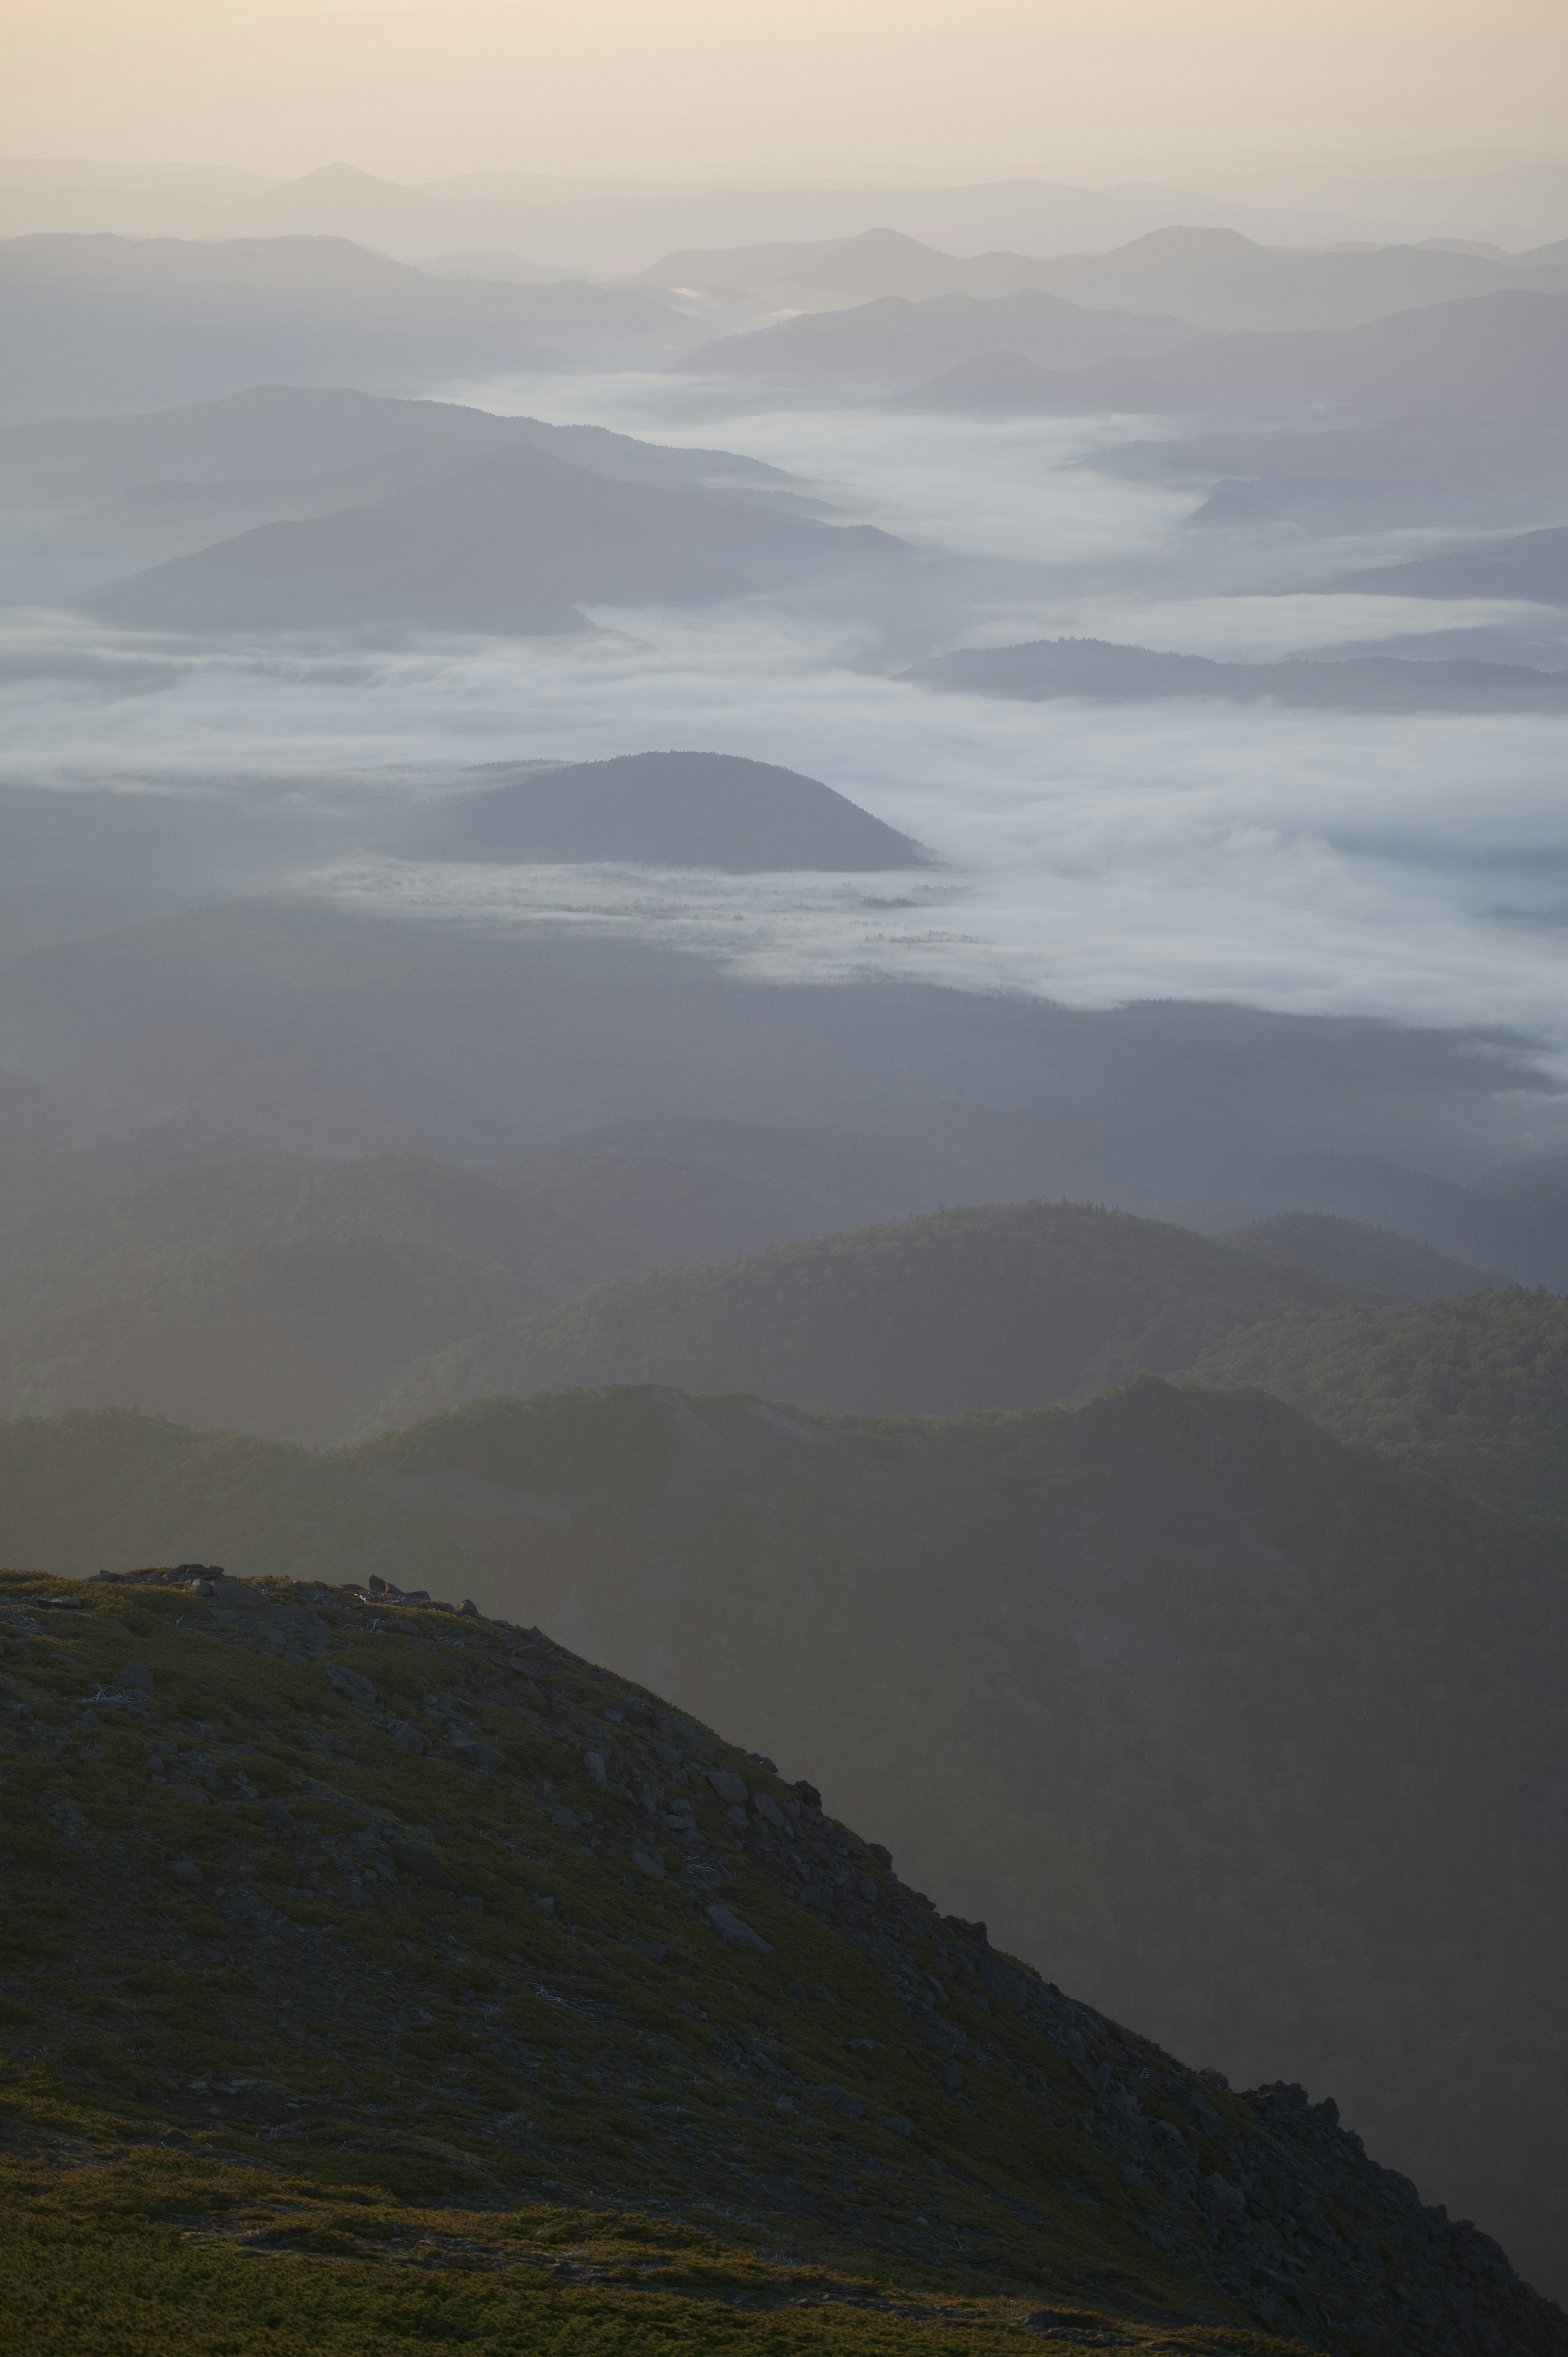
997	1306
1472	1391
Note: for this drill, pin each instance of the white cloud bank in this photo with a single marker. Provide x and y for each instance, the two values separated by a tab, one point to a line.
1413	867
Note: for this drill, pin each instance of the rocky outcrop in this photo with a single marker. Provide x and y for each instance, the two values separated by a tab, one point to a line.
487	1911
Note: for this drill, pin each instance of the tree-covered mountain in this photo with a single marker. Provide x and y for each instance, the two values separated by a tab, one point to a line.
993	1306
1365	1259
1472	1391
1206	1714
405	1935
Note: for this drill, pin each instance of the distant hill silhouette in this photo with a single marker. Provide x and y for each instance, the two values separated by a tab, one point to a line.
888	341
98	325
1533	564
1413	469
1211	277
1218	278
1489	356
995	1305
1005	381
1515	1219
669	810
514	542
1094	668
1370	1259
274	1297
100	497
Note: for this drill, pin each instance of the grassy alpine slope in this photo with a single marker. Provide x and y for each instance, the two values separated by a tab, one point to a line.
1189	1702
1473	1391
1004	1304
375	1975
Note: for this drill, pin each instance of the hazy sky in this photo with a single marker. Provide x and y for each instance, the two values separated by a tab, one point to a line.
921	89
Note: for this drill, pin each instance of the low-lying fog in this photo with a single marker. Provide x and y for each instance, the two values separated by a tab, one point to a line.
1410	867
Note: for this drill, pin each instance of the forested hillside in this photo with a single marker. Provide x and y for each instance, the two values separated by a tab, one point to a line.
1473	1391
1005	1305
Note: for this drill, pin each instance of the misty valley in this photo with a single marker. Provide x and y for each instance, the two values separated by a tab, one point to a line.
783	1269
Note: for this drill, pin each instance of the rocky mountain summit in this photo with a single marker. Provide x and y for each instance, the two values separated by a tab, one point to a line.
334	1894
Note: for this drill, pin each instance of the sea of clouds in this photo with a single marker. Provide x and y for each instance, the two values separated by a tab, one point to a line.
1413	868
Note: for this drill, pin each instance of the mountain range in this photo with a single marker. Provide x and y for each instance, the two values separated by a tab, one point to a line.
88	499
1209	277
992	1306
1527	565
609	225
1515	1218
1362	1257
300	1301
1092	667
1413	470
294	1025
887	342
1502	358
1249	1701
98	325
515	543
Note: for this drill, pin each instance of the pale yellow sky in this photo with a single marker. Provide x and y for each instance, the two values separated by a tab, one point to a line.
872	89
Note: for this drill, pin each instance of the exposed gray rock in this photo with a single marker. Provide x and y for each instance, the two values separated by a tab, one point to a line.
730	1927
350	1684
481	1756
732	1791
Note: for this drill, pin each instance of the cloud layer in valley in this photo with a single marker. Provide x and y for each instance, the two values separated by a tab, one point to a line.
1309	862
